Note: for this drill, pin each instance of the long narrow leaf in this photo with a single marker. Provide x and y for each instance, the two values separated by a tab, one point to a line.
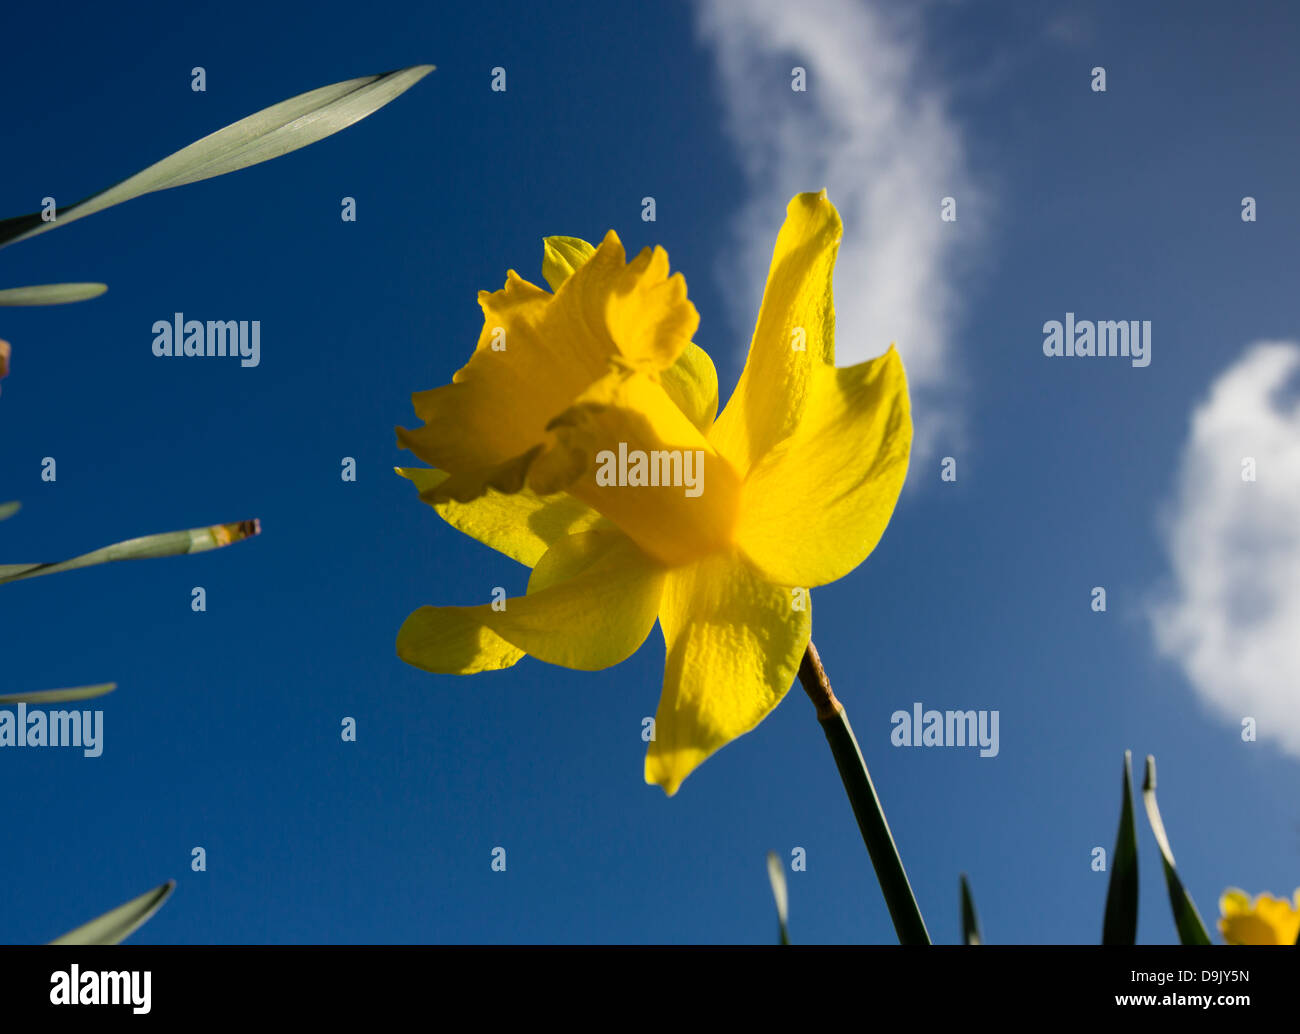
51	294
776	874
970	922
269	133
171	543
7	510
59	696
1121	921
116	926
1191	930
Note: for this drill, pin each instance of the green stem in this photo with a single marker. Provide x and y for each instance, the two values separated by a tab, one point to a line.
866	804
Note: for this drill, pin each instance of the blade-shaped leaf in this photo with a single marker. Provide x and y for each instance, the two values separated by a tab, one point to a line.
51	294
776	874
115	926
59	696
269	133
1121	921
7	510
970	922
171	543
1191	930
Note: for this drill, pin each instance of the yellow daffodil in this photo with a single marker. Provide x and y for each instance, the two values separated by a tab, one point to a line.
1266	920
580	440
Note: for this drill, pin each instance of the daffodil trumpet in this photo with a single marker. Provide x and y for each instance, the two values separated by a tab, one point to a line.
582	438
1265	920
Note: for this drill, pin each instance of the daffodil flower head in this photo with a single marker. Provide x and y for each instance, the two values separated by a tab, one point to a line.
581	440
1266	920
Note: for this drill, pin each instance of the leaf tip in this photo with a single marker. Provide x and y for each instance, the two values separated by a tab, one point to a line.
1149	776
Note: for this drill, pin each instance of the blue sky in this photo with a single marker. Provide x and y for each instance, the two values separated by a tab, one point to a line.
1072	473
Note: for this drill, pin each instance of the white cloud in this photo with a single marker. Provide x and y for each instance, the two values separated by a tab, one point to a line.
875	132
1072	28
1232	617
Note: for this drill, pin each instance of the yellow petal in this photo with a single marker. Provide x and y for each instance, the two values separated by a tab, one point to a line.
561	256
797	310
465	486
573	554
626	450
538	352
692	384
522	525
734	643
816	505
595	617
453	641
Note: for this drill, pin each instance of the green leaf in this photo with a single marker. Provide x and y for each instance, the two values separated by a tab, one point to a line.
268	134
7	510
1121	921
58	696
51	294
171	543
970	922
1191	930
776	874
116	926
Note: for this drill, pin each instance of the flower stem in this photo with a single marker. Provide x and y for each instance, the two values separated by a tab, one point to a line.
866	804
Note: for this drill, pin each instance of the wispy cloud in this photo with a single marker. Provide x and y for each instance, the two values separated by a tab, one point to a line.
1073	28
1232	617
874	129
